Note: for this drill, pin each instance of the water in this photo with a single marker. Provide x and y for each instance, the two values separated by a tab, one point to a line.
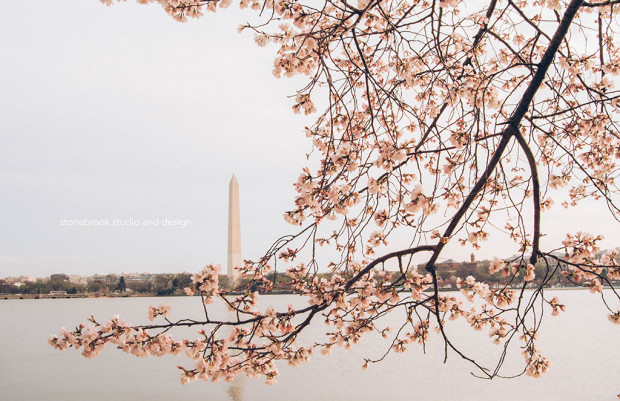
584	349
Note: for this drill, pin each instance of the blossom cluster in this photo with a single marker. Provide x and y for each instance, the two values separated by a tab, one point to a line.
207	282
93	338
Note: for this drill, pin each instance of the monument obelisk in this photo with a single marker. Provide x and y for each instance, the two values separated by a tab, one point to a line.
234	233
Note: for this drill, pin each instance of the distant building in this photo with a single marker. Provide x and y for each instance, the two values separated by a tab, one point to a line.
444	268
448	267
452	268
78	280
138	277
21	280
470	267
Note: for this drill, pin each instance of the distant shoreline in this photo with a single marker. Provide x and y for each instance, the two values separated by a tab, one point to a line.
154	295
71	296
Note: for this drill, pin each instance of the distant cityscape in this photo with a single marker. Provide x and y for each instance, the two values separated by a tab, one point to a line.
167	284
449	271
125	284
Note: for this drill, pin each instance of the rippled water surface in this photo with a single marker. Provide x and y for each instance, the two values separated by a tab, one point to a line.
584	349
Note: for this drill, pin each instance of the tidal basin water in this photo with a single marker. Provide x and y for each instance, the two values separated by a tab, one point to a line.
583	346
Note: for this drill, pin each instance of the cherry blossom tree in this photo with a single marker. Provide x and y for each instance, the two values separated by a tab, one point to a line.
436	121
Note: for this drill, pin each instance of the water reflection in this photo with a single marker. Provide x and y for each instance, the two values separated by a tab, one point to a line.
235	391
579	340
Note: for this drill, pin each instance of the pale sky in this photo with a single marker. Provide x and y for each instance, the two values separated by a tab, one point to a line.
122	113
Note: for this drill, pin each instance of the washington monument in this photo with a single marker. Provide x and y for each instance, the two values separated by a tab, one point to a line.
234	233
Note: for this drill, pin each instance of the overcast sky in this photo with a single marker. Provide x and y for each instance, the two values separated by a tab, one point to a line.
122	113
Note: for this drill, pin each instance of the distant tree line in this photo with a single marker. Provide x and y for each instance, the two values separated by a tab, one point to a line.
158	284
166	284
